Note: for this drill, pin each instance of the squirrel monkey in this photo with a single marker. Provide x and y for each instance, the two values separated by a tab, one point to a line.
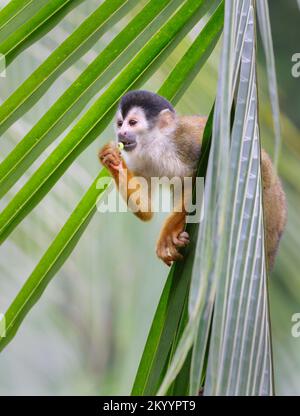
159	143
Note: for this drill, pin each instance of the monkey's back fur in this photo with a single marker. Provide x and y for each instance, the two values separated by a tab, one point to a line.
275	210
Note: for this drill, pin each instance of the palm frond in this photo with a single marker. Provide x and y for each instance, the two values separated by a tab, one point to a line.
101	71
27	23
53	259
61	247
11	10
266	35
30	91
223	287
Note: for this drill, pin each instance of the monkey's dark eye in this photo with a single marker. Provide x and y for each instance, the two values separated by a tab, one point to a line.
132	122
119	123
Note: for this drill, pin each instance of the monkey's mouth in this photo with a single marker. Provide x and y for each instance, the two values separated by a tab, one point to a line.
129	145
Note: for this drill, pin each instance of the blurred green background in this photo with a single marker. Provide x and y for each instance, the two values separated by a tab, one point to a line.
87	333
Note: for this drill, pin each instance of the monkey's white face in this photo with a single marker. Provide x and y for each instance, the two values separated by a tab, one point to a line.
149	148
132	130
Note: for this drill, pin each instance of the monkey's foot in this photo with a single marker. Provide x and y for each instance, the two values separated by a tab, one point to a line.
169	244
110	157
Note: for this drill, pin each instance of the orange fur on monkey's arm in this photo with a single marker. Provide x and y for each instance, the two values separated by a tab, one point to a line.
127	183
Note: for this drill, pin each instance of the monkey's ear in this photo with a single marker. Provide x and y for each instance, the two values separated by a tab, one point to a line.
166	119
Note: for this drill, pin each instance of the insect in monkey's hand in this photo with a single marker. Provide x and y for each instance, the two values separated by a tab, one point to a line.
156	142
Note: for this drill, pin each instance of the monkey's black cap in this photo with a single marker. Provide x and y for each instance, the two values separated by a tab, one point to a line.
151	103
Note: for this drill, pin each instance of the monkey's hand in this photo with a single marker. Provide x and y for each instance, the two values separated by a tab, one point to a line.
110	157
172	238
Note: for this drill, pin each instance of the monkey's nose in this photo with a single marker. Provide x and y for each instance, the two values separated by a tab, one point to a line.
122	137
